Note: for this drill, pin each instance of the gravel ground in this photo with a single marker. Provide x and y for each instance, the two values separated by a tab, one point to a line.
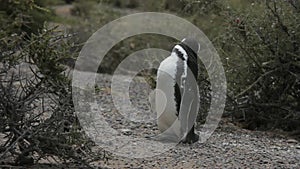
228	147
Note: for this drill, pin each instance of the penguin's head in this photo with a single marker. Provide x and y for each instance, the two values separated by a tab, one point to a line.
192	44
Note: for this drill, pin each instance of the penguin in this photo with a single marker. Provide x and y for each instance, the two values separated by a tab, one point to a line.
177	96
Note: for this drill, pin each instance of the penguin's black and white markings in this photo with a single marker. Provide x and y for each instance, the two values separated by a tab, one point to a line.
177	98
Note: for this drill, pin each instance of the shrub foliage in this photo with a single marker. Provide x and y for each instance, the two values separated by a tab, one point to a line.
37	117
261	52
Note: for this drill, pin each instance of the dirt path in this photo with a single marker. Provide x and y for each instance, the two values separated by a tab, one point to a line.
63	10
228	147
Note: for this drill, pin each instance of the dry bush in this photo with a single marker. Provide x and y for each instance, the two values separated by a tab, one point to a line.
37	119
261	54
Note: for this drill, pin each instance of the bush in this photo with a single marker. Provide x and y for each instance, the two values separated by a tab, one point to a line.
22	16
261	49
37	117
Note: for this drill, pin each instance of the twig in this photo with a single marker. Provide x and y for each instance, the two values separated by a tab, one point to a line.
9	166
275	13
14	143
253	84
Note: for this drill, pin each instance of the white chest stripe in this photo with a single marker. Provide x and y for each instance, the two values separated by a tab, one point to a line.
182	51
184	75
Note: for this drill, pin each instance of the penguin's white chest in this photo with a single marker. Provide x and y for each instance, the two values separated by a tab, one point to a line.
165	93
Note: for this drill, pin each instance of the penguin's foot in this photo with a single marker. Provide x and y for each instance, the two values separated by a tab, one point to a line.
190	139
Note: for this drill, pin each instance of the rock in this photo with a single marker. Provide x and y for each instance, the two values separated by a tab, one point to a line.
292	141
126	132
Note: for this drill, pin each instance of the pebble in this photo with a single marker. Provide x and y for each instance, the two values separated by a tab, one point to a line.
292	141
126	132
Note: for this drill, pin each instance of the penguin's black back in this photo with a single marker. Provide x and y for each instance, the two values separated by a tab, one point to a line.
192	64
192	61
